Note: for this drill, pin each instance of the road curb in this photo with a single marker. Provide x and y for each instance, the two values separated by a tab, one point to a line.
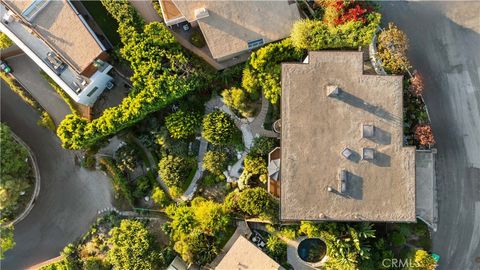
36	190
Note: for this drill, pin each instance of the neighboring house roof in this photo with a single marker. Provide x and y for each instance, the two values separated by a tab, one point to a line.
274	164
245	255
228	26
60	26
169	10
317	128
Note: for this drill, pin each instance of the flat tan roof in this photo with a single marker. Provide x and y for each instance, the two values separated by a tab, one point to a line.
230	25
60	26
245	255
316	128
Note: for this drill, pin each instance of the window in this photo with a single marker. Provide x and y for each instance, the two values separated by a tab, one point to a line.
255	43
92	92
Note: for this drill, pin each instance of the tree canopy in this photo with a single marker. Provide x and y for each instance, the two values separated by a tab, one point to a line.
173	169
392	50
215	162
162	73
262	71
132	247
198	229
253	202
182	125
218	128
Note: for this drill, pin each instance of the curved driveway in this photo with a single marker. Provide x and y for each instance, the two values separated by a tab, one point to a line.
69	198
445	47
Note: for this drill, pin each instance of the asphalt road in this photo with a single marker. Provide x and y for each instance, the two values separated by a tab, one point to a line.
69	198
445	48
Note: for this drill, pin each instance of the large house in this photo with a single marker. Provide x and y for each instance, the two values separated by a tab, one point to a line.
342	150
231	28
58	39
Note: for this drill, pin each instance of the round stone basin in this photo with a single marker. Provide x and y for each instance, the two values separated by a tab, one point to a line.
312	250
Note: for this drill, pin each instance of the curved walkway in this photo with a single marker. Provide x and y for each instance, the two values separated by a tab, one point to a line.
70	196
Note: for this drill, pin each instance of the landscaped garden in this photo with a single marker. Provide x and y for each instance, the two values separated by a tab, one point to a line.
18	179
16	186
185	126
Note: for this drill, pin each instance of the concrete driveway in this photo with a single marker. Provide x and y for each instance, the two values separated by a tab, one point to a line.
28	73
69	198
445	47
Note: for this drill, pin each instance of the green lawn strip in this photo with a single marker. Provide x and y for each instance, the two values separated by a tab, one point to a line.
104	20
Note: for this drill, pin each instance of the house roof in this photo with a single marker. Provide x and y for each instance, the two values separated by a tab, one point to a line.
316	128
169	10
61	28
245	255
230	25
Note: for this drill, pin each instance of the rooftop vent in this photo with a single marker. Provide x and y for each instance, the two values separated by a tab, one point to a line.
347	153
368	131
201	13
333	90
368	153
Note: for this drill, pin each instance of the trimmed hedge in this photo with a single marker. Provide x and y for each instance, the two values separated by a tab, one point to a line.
162	74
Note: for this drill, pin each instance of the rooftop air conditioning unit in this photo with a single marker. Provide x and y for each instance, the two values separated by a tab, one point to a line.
368	153
201	13
368	131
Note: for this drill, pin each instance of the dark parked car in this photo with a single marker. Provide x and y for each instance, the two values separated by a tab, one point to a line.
5	67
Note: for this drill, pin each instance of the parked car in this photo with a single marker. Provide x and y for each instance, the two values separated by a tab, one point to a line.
5	67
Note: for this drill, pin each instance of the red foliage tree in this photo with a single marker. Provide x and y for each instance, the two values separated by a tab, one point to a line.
416	84
424	134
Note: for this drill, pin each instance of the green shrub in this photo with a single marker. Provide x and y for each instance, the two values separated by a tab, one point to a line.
173	169
262	71
277	249
119	182
215	162
315	35
219	128
197	39
182	125
398	239
237	99
392	50
5	42
46	121
262	146
160	198
253	202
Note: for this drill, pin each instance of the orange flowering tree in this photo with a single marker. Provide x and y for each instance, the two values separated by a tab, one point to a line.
424	134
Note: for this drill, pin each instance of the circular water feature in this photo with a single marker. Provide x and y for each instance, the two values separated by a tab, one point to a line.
312	250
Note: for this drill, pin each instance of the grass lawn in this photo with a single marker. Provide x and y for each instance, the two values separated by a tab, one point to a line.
104	20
